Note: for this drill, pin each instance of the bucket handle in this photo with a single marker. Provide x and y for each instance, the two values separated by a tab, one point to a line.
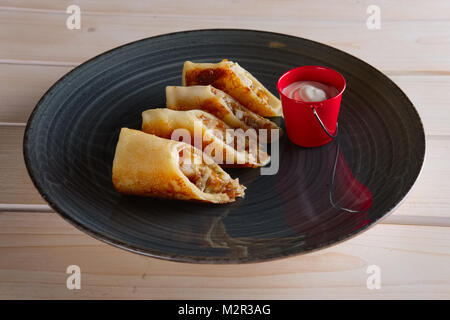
333	174
323	126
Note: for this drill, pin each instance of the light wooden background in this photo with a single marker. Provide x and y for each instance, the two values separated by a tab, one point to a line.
412	246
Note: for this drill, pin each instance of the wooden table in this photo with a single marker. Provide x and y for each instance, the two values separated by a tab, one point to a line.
411	247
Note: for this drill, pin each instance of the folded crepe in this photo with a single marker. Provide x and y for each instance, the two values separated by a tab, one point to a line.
147	165
231	78
228	147
221	105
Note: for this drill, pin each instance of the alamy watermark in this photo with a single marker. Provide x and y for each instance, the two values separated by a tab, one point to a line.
74	279
250	145
74	20
373	21
374	280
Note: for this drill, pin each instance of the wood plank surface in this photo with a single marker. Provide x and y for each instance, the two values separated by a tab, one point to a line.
411	246
36	249
16	185
306	9
22	85
430	95
428	198
42	37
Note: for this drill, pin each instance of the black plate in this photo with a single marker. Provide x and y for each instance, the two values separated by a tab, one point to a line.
71	135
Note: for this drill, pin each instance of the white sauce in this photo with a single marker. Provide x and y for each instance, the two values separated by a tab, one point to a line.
310	91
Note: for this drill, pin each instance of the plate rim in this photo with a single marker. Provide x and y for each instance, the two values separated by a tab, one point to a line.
195	259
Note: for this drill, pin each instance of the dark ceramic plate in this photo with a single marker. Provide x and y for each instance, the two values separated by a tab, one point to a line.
71	135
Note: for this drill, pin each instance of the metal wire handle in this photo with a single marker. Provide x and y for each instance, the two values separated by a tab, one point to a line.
334	164
323	126
332	183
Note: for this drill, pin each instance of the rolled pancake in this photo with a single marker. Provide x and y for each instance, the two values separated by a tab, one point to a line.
231	78
147	165
228	147
219	104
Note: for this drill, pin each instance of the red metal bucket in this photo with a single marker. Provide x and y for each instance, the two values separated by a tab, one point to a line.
311	124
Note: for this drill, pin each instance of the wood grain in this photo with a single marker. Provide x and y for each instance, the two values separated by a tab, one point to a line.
428	197
430	96
42	37
309	9
16	185
36	249
21	87
412	47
